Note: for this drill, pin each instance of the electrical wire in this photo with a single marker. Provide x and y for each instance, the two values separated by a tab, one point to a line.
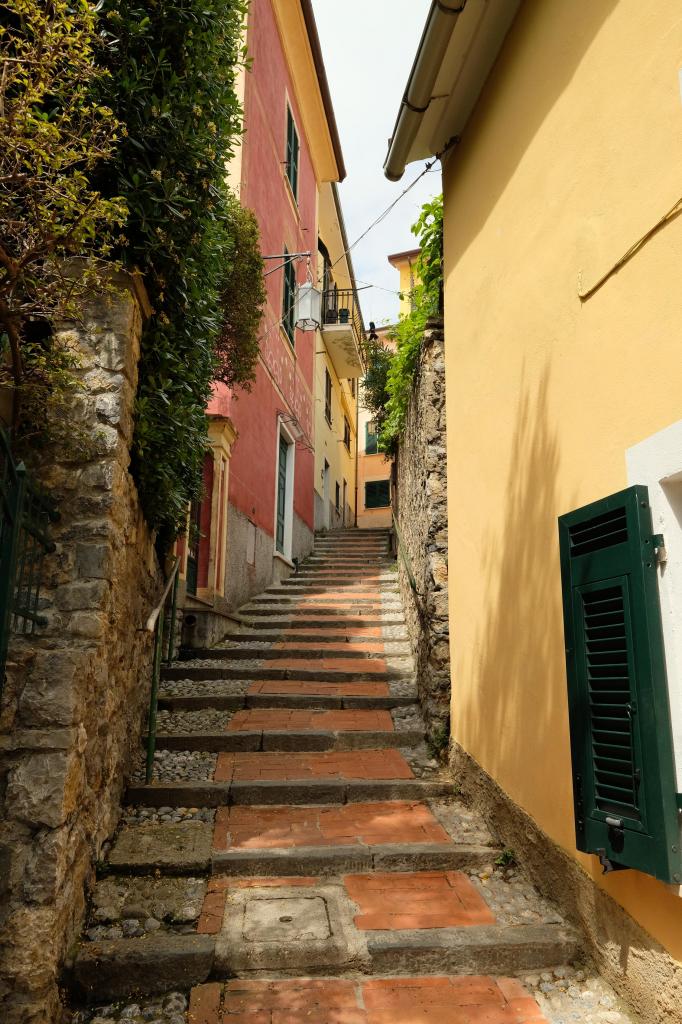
382	216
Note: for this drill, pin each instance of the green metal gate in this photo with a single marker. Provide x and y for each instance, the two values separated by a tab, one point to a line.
25	516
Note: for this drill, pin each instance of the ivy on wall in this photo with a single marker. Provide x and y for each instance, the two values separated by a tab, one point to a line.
390	376
173	69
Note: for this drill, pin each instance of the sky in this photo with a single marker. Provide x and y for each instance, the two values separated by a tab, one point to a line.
368	48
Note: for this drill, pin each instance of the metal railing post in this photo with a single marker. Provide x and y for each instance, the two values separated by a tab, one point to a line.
172	624
154	699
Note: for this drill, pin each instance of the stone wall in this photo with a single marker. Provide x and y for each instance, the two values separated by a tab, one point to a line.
420	501
76	691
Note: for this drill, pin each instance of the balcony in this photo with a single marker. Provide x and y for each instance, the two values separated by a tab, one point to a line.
343	331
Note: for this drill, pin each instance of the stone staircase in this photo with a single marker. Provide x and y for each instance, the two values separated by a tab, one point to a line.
301	856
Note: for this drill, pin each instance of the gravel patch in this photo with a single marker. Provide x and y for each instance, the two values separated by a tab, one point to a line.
572	995
420	761
407	719
512	898
168	1009
203	687
174	815
129	908
208	720
462	824
179	766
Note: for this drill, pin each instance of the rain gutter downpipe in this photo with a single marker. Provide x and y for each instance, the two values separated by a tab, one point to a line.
419	92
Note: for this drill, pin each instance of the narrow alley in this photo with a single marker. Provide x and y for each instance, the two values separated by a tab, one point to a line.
300	856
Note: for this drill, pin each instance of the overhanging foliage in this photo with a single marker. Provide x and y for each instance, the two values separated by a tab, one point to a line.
173	72
390	376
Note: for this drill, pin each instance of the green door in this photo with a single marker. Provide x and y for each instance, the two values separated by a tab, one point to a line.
281	493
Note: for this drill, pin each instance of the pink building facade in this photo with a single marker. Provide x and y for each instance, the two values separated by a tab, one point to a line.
267	433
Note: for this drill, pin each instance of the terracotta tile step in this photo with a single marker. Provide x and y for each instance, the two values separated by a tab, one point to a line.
249	649
281	720
387	901
361	824
330	670
427	1000
329	765
295	693
187	849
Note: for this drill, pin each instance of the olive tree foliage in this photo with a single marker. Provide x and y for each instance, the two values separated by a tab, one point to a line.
53	135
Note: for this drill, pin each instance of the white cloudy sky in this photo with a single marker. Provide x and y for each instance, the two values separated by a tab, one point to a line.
368	47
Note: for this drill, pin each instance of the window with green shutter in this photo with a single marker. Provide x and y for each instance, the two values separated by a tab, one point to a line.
624	782
289	298
293	150
377	494
371	438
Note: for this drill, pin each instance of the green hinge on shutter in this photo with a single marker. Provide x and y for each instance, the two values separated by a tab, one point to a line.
624	783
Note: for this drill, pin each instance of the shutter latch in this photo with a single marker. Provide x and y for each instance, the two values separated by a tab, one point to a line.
658	541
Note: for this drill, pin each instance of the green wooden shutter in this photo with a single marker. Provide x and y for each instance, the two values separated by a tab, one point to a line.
621	736
377	494
293	147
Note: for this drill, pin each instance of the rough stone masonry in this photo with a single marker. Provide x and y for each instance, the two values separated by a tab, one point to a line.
75	691
421	510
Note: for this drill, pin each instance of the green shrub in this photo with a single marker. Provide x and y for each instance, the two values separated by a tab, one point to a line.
173	71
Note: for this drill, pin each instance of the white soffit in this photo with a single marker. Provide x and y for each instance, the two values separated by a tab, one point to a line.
476	42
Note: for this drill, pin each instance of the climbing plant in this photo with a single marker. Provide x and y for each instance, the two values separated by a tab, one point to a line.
392	375
54	134
243	298
173	73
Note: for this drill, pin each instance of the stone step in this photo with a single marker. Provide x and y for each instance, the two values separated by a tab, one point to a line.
394	924
321	614
293	669
305	740
342	590
246	648
237	701
266	619
288	840
265	793
235	694
322	635
441	999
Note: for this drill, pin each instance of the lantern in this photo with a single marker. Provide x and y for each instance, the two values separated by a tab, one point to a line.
308	307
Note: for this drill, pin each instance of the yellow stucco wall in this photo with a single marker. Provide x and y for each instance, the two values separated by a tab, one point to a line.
574	153
404	263
329	444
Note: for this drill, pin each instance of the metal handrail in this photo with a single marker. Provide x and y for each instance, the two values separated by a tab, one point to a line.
155	624
151	621
405	557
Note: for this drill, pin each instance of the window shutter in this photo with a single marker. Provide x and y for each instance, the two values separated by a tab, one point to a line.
624	779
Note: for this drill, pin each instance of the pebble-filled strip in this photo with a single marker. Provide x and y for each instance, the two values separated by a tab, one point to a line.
179	766
208	721
573	995
168	1009
166	815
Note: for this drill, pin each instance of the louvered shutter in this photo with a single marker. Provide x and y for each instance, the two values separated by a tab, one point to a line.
621	737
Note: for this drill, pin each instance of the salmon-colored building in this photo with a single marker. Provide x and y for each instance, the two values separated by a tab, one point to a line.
257	516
